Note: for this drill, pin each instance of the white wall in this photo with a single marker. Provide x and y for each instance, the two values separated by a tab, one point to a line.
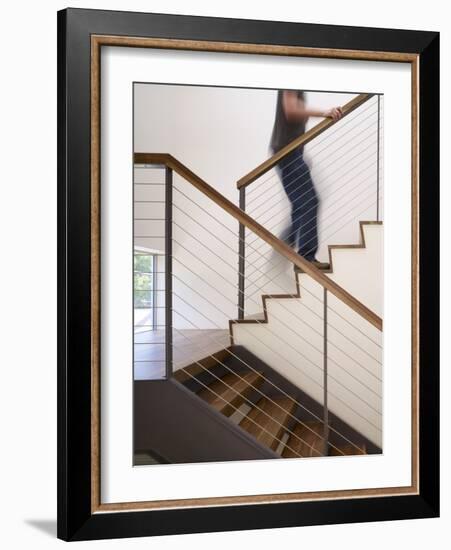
28	469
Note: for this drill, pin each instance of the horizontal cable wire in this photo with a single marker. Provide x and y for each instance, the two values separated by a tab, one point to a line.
146	165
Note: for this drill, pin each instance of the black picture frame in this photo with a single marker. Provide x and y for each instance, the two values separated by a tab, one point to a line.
75	518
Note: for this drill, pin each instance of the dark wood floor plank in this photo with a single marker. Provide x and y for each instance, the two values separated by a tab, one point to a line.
305	440
268	420
229	393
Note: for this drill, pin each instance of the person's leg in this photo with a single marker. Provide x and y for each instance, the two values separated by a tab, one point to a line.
306	212
291	170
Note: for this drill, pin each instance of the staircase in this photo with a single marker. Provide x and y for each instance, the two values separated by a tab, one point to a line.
290	327
239	383
302	376
265	405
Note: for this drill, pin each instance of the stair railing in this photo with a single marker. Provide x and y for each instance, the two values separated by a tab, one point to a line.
361	133
178	211
278	245
357	139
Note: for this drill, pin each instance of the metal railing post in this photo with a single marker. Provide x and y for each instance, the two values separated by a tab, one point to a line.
325	404
241	257
168	271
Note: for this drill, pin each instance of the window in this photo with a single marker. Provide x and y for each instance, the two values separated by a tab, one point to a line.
144	290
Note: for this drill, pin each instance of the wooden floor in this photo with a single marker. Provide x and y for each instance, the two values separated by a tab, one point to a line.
188	347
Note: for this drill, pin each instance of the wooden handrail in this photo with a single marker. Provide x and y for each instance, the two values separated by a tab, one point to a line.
301	140
278	245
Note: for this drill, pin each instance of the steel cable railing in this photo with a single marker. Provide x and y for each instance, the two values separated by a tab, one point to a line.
304	373
323	230
286	325
286	342
224	244
251	403
280	441
270	208
330	153
184	231
278	388
361	192
175	223
227	229
252	369
249	367
324	138
248	266
325	239
299	199
227	281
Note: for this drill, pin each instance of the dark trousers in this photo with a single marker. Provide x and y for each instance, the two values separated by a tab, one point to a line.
298	185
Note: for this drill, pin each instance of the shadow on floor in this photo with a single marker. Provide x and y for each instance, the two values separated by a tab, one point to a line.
47	526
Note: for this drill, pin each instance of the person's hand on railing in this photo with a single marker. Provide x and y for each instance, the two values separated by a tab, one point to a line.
335	113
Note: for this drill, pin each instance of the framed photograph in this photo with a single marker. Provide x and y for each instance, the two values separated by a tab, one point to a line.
248	274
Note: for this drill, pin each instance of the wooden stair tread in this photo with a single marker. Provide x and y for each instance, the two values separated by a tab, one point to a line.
305	440
229	393
268	422
348	450
190	371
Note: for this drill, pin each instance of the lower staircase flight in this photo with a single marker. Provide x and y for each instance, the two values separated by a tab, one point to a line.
267	407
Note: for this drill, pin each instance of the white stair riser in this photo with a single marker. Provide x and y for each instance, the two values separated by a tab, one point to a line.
360	271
